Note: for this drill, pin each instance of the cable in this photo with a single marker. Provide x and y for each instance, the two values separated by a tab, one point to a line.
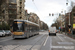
36	7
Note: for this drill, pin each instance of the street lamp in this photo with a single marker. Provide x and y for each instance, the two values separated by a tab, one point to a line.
69	25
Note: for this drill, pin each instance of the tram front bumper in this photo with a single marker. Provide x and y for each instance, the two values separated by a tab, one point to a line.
19	36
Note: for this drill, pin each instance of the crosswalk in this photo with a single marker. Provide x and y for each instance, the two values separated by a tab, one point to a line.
20	47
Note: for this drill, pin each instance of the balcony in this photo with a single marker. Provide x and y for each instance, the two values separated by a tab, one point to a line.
12	1
20	0
12	7
11	12
20	5
12	17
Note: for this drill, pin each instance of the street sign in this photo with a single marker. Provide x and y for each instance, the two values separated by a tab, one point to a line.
59	27
73	26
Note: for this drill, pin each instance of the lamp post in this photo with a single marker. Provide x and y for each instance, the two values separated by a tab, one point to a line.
69	12
69	18
61	21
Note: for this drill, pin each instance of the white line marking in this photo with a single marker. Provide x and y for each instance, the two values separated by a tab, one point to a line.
50	42
65	43
45	41
65	47
70	38
16	47
65	37
36	47
60	38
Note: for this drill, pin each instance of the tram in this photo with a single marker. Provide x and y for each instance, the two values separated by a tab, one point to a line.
24	28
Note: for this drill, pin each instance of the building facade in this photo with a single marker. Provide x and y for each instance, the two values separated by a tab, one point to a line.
12	9
72	21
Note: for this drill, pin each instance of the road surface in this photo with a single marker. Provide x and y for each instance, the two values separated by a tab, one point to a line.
39	42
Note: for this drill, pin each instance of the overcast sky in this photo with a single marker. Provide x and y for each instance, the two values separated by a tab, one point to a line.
43	7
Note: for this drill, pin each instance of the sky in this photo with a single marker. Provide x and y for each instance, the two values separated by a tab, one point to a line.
43	7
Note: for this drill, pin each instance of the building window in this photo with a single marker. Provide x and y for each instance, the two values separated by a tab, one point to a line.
20	12
12	16
12	12
12	6
12	1
74	14
0	22
0	17
20	0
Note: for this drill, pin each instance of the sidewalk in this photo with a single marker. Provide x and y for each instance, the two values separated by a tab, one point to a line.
69	35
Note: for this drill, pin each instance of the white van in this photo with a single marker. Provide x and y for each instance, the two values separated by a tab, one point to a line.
52	31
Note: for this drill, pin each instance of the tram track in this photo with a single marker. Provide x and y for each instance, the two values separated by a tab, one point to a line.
35	45
37	42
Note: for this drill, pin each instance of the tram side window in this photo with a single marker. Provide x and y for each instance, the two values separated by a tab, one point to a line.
31	29
28	29
34	28
25	28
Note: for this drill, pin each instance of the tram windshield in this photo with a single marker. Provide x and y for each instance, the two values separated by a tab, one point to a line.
18	26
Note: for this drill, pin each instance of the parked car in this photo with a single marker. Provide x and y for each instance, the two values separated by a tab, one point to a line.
2	33
8	32
41	30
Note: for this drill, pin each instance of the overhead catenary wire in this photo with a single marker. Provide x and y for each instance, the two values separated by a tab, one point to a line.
36	6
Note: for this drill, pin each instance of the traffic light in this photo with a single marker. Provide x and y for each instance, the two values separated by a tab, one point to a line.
69	26
52	14
59	14
32	0
49	14
66	3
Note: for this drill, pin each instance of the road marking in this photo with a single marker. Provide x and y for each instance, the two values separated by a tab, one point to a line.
65	37
50	42
70	38
16	47
65	43
5	40
60	38
45	41
36	47
23	47
65	47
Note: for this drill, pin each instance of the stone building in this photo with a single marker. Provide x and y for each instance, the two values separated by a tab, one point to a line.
12	9
34	17
72	20
31	17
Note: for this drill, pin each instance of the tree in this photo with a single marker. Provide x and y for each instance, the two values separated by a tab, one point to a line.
1	2
56	23
4	26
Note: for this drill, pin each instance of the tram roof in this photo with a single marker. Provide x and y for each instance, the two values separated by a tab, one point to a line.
26	21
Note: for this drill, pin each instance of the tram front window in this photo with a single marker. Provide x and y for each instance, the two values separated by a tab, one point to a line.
18	26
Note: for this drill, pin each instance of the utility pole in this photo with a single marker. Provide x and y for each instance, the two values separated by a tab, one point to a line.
69	19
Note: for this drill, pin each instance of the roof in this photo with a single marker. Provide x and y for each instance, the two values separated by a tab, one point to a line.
26	21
